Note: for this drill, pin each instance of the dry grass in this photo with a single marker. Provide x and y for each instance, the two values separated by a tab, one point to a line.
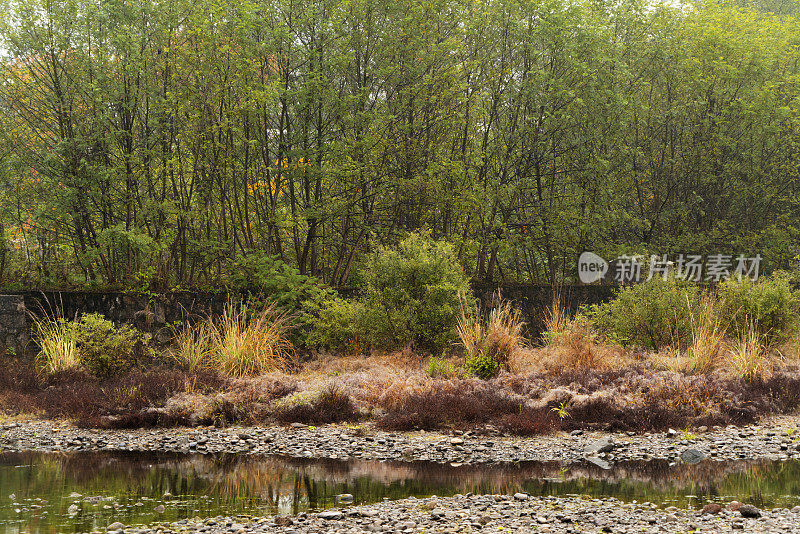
556	318
498	336
572	346
245	344
747	357
58	350
708	336
193	346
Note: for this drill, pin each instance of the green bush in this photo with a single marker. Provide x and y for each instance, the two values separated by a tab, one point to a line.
483	365
653	314
441	367
412	294
106	350
268	278
769	305
340	326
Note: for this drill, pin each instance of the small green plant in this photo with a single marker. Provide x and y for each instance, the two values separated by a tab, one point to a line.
58	349
560	410
688	435
105	349
440	367
483	366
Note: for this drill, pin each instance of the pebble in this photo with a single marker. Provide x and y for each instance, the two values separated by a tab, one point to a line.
762	441
495	513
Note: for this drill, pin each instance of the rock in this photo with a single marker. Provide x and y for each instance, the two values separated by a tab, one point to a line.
712	508
693	456
283	521
456	441
345	497
115	526
521	496
159	509
73	509
330	515
795	510
671	433
749	511
599	462
734	505
600	446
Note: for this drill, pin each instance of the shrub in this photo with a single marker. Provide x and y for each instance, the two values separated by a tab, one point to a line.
273	282
412	294
332	406
58	349
769	305
440	367
466	404
245	343
340	325
489	342
106	350
653	314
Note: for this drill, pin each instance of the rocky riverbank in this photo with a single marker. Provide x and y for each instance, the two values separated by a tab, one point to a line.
498	513
777	439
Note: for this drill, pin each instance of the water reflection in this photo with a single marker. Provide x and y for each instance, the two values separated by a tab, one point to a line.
86	491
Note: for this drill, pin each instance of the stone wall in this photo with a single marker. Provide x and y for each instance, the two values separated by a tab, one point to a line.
153	313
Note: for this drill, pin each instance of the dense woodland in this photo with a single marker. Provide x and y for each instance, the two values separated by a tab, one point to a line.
154	144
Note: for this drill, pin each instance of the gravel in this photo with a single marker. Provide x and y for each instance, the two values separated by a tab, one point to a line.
773	440
493	513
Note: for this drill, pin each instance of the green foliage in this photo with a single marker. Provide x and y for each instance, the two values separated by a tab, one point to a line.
106	350
440	367
654	314
768	306
482	365
412	293
340	326
302	297
147	144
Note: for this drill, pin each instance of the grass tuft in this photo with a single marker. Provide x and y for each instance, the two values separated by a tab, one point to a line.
492	340
193	347
747	357
707	337
250	344
58	348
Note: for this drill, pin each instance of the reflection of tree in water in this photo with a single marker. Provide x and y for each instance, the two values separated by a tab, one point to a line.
248	483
